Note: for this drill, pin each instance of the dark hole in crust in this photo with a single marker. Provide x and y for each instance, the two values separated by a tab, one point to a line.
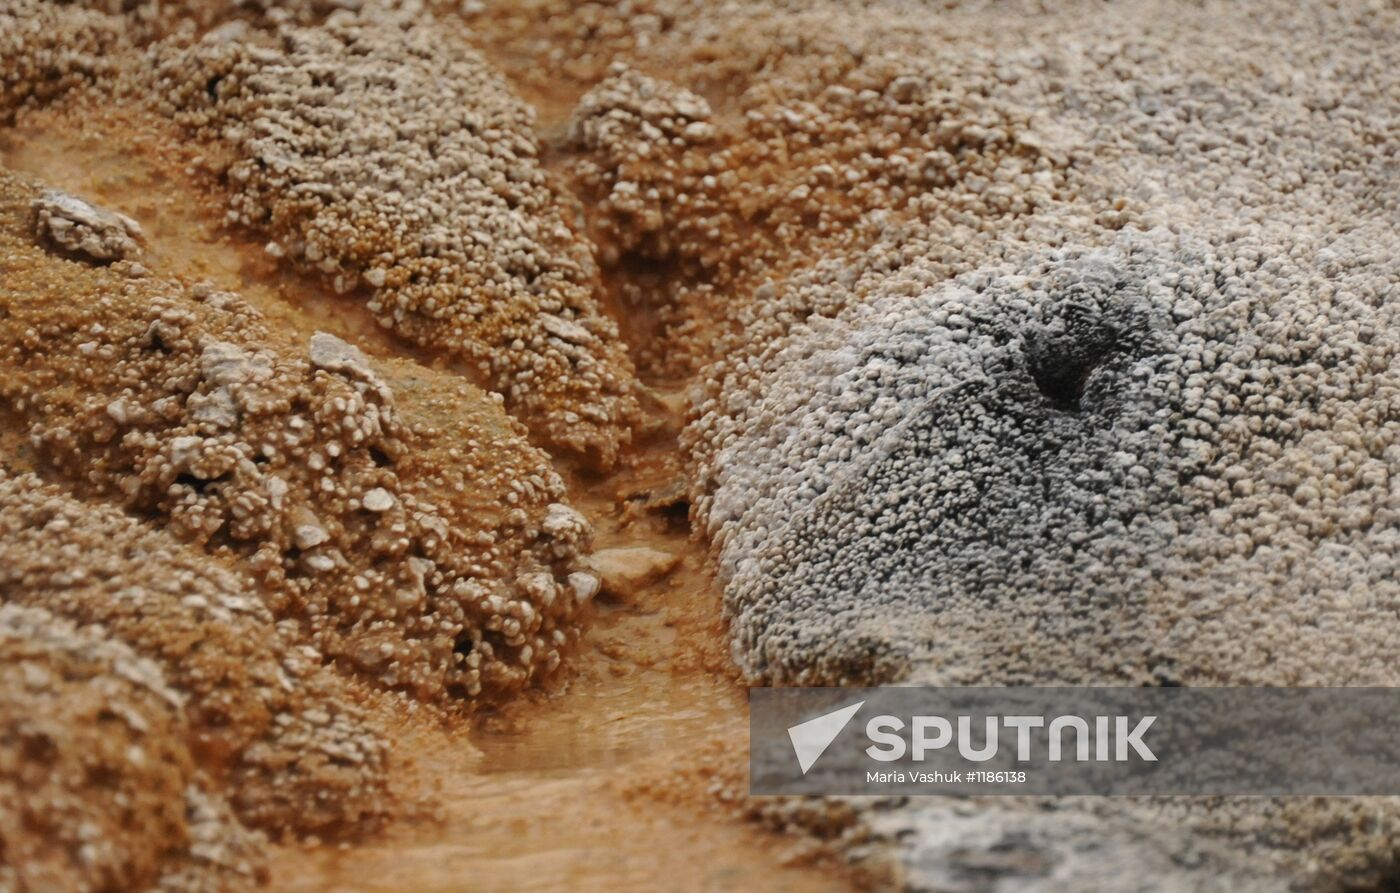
1061	362
1062	382
198	484
463	645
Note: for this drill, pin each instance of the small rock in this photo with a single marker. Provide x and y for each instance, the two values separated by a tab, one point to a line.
565	330
319	564
540	589
184	450
564	522
70	224
624	572
378	500
332	354
225	363
228	33
584	585
309	536
217	408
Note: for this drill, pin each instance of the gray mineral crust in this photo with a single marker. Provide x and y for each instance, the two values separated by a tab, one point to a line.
1082	452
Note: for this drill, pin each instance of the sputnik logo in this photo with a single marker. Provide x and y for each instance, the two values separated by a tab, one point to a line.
810	739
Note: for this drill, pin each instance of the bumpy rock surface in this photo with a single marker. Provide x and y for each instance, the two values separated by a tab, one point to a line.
100	790
255	514
394	161
811	156
258	705
1038	345
1148	439
48	48
316	513
360	517
1069	433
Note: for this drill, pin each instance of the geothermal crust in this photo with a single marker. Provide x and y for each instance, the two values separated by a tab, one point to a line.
264	525
1147	437
383	156
1027	346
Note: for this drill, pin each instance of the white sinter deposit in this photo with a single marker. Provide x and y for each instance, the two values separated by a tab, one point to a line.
1154	447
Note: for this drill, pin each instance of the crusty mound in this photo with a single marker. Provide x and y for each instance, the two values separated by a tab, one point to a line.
48	48
398	164
406	541
1097	456
807	162
98	787
250	514
1145	438
259	708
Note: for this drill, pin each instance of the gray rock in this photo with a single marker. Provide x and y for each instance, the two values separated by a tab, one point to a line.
335	355
67	223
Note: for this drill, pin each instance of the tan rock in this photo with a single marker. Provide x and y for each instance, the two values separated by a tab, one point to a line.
626	572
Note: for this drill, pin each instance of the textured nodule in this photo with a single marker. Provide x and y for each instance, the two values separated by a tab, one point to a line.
933	466
345	488
373	152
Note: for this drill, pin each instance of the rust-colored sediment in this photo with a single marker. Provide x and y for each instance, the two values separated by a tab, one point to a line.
608	783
